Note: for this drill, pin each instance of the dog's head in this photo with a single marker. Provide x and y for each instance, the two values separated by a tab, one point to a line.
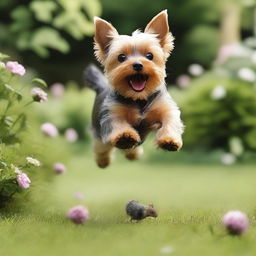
134	65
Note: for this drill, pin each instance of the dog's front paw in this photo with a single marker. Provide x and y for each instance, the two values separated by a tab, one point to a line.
126	140
169	144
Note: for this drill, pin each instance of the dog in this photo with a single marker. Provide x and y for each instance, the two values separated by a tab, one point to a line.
131	98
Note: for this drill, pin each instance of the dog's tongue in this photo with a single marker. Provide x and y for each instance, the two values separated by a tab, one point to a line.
138	84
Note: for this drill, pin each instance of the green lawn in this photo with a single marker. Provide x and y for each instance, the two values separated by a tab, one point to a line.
190	198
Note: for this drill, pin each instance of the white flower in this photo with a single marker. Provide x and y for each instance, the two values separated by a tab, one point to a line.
166	250
247	74
33	161
2	64
195	69
17	170
236	146
218	92
228	159
253	57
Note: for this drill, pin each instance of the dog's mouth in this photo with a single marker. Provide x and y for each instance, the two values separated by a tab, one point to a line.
138	82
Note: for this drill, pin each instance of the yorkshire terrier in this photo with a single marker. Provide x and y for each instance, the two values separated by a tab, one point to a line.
132	99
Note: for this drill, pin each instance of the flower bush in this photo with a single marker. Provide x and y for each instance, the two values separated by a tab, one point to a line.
14	171
219	107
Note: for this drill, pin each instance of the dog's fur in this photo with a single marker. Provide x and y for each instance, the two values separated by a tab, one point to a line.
128	106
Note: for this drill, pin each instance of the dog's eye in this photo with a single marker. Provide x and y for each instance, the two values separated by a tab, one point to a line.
149	56
121	57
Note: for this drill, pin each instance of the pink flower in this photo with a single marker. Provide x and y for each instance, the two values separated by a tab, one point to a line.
49	129
59	168
78	214
183	81
57	90
23	180
38	94
232	50
15	68
71	135
236	222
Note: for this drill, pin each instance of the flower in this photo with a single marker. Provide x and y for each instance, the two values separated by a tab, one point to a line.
79	195
17	170
2	64
33	161
78	214
228	159
183	81
71	135
166	250
236	222
219	92
195	69
38	94
59	168
23	180
236	146
57	90
232	50
49	129
15	68
247	74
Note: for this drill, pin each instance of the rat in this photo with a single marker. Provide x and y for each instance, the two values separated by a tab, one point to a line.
139	211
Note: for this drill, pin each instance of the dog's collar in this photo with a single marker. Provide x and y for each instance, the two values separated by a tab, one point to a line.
142	104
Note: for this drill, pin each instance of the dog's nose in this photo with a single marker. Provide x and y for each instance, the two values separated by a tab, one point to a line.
137	66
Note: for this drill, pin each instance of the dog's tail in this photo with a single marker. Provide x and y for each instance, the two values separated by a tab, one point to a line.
95	78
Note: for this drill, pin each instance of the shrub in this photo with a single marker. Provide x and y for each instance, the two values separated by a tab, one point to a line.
218	110
13	123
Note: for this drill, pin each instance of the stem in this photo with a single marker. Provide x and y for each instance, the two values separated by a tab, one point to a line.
15	122
28	103
7	107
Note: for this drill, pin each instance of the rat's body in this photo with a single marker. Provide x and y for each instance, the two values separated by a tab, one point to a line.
138	211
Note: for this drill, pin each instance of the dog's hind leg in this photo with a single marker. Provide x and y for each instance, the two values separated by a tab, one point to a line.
134	153
103	153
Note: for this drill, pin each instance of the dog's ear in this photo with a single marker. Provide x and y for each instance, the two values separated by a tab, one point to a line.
159	26
104	33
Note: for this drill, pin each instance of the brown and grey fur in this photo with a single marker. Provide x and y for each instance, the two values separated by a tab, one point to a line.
122	117
139	211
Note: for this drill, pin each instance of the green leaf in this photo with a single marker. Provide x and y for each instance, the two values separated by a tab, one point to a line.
43	10
39	81
7	92
5	124
45	38
73	19
92	8
22	19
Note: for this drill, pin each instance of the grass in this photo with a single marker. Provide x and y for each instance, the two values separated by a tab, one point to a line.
190	198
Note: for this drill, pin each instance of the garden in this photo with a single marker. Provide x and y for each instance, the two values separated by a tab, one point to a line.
55	200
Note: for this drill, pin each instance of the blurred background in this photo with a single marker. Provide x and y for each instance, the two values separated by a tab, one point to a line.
211	72
212	77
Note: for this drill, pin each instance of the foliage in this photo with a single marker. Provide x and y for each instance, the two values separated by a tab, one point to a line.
13	122
212	123
219	108
40	25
